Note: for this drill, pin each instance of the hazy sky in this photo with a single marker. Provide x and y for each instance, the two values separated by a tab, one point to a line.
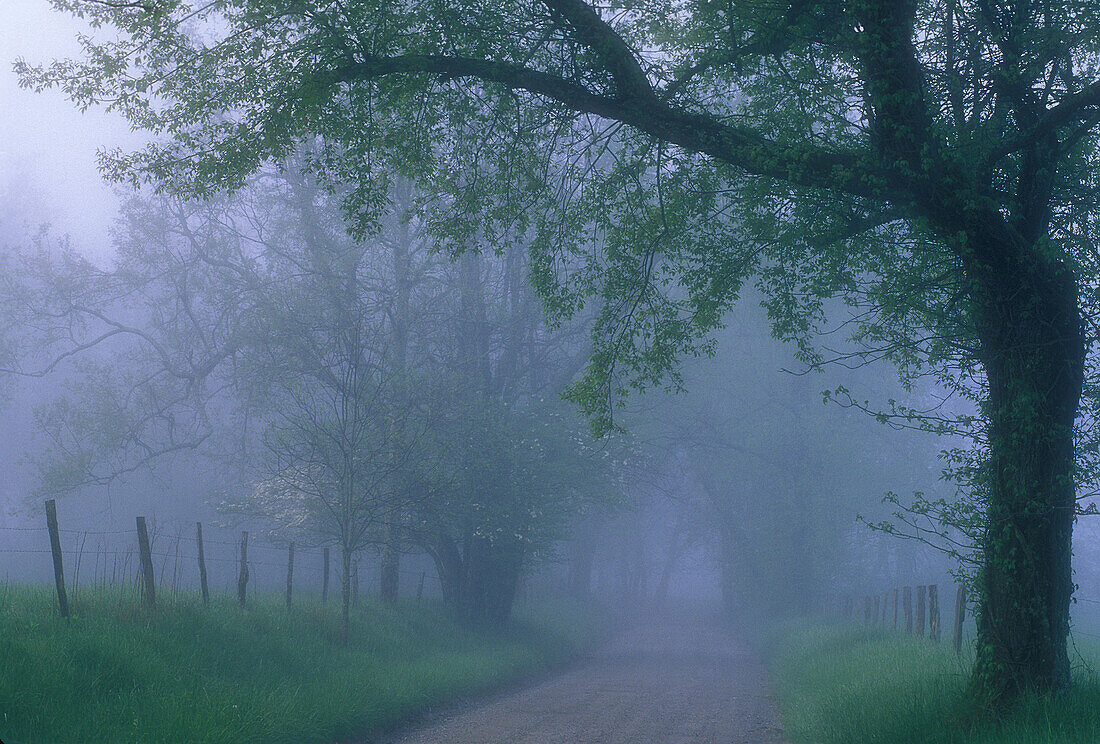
46	145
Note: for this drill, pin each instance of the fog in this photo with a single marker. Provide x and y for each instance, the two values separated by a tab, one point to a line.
48	155
746	489
405	372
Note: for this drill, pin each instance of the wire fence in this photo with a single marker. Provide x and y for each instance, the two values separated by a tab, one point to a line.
919	610
113	557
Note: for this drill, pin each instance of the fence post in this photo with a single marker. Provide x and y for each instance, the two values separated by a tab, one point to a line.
420	587
960	616
289	574
324	580
875	617
866	610
921	591
176	562
934	613
242	577
79	557
55	548
146	563
907	600
895	609
202	566
885	607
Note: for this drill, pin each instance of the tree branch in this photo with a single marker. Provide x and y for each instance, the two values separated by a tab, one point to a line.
1073	109
853	172
610	48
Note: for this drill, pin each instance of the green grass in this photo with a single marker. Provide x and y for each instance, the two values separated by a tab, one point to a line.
846	686
115	673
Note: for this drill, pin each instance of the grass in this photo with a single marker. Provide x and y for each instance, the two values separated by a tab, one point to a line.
184	673
839	685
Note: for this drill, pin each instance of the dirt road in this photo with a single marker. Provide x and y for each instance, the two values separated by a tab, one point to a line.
672	681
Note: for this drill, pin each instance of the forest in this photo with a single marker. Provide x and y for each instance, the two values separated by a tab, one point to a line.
524	371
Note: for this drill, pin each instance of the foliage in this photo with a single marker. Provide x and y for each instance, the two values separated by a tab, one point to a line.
679	228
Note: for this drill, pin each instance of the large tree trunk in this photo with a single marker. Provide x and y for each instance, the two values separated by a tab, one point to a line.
1033	352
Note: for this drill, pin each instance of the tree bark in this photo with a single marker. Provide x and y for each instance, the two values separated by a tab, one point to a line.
1033	351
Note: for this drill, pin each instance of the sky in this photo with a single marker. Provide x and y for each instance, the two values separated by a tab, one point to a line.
47	146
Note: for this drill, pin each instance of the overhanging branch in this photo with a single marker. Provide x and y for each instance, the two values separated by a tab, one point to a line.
853	172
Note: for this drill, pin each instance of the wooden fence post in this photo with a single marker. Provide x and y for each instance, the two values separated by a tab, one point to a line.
420	587
79	557
176	562
895	609
324	579
907	601
921	591
202	566
960	616
934	613
885	607
242	577
55	548
146	556
289	574
875	617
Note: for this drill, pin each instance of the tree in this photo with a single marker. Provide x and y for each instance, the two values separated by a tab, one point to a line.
254	328
511	481
372	393
507	470
933	158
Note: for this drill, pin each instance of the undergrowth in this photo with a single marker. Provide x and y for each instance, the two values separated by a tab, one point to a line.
118	673
842	685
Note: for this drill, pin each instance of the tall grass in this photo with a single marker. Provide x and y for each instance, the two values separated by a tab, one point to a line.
841	685
184	673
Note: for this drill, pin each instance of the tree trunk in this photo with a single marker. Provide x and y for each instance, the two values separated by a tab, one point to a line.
1033	352
479	584
391	565
345	596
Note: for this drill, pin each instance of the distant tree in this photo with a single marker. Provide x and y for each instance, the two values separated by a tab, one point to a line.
251	315
508	469
366	392
511	481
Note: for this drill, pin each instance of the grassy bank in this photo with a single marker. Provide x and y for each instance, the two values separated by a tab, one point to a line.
184	673
847	686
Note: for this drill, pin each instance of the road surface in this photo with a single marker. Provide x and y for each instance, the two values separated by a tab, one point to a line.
669	681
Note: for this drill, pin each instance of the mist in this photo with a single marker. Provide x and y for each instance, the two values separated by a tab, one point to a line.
383	373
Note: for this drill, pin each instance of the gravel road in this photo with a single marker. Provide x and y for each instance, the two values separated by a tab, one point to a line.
668	681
